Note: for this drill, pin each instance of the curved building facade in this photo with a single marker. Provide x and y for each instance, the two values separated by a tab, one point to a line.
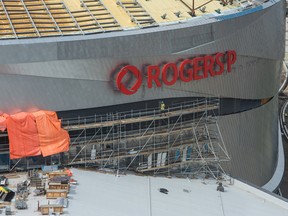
73	73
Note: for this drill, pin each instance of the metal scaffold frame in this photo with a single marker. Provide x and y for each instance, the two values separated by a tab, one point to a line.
185	139
182	140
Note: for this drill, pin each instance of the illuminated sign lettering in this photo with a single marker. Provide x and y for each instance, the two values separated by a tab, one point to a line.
185	70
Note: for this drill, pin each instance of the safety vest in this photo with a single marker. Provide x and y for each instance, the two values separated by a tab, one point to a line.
162	106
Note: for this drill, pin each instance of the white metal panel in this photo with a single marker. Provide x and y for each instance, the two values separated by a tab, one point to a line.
149	161
163	159
159	156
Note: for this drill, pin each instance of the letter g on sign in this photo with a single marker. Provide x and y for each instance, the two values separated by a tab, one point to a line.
123	72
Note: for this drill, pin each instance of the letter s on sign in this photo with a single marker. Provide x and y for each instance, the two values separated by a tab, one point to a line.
125	70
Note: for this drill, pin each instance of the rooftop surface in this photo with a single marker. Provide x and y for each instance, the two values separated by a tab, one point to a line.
125	195
109	195
42	18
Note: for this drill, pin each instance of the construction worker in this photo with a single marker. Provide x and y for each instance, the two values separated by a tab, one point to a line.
162	107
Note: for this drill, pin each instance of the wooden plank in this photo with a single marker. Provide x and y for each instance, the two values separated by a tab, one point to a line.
143	119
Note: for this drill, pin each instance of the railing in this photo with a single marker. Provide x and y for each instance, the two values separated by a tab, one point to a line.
139	113
82	139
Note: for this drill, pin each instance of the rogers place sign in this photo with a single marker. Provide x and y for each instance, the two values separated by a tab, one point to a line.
185	70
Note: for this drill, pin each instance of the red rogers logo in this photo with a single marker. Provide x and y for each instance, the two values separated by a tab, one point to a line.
187	70
121	86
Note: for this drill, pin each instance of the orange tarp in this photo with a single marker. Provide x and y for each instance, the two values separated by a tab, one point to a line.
52	138
23	135
32	134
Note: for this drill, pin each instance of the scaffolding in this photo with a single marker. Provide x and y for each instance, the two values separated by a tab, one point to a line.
184	139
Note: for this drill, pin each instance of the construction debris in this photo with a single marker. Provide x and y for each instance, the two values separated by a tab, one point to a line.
73	182
40	189
60	179
35	178
39	192
6	194
57	174
62	201
53	194
21	204
51	168
55	197
3	181
8	210
23	189
50	209
58	186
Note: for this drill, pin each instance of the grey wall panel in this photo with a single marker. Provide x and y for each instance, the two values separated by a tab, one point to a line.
251	140
255	75
32	52
251	78
67	73
261	30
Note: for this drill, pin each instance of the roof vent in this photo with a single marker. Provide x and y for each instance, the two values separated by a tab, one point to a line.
218	11
220	187
164	16
203	9
178	13
192	13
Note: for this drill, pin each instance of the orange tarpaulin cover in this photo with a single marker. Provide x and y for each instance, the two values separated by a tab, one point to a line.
23	135
52	138
31	134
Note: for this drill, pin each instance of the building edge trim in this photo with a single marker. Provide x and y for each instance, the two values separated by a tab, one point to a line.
262	192
276	179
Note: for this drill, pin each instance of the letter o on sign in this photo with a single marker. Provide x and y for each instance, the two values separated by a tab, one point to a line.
166	68
121	86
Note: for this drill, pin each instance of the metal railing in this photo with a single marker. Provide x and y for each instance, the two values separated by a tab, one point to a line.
148	112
